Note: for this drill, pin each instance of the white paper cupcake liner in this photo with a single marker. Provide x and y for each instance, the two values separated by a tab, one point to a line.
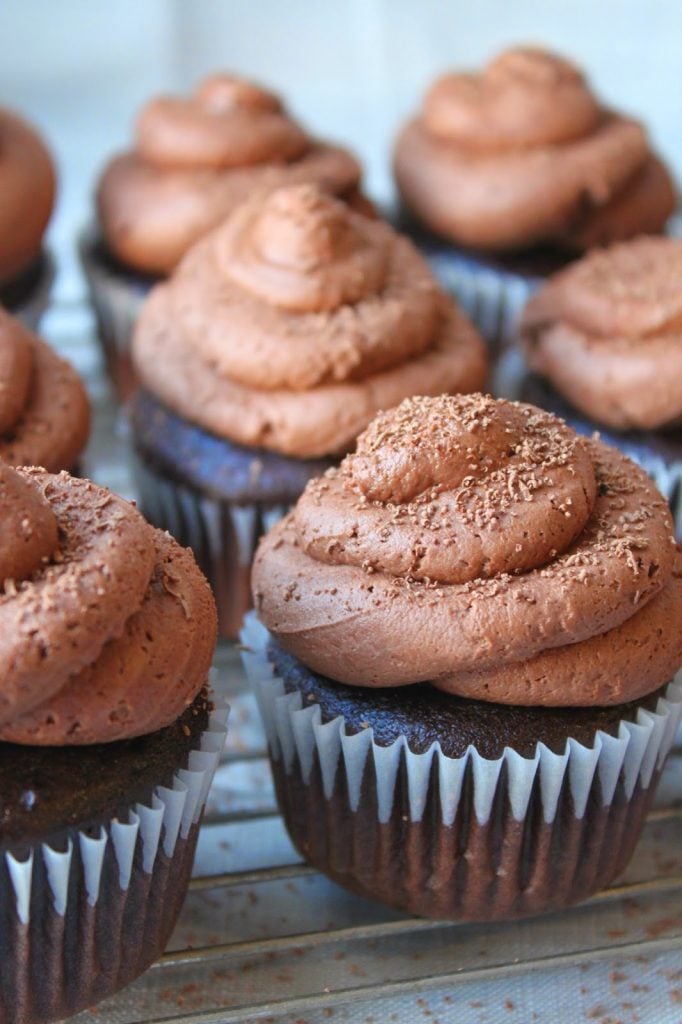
223	536
116	302
82	918
467	837
492	299
296	731
170	814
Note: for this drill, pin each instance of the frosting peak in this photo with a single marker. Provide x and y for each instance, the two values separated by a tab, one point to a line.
228	122
221	92
435	444
304	228
533	67
467	461
303	250
525	97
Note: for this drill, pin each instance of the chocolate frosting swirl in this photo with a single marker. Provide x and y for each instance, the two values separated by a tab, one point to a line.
523	153
228	122
298	251
607	332
107	627
44	409
27	192
197	158
523	98
484	547
295	322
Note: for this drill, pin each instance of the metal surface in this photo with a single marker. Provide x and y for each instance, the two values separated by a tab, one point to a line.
264	937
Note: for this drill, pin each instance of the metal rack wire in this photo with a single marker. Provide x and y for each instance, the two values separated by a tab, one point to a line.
264	937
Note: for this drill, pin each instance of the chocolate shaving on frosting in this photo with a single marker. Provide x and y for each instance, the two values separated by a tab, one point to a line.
44	409
95	645
484	547
291	325
197	158
523	153
607	332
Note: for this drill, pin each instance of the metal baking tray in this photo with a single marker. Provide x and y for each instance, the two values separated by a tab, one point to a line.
263	937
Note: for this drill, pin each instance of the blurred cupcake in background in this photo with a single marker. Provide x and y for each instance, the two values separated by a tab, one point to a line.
108	740
195	159
509	172
27	195
44	408
463	646
273	345
603	339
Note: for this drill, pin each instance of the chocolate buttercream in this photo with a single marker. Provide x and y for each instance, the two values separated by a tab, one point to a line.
290	326
107	627
27	192
523	153
44	408
484	547
226	123
607	332
196	159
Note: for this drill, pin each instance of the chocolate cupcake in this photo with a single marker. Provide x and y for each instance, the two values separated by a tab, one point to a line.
466	683
195	160
44	409
107	631
27	193
517	168
277	340
604	338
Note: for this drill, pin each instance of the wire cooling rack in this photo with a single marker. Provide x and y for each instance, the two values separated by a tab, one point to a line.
263	937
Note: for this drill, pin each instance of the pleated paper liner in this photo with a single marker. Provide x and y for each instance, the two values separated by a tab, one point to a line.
463	838
223	536
491	291
81	920
116	297
492	298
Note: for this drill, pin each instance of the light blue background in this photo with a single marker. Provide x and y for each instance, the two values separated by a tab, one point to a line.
351	69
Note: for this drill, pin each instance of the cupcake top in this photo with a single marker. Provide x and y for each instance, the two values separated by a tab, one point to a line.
523	153
27	193
107	627
484	547
197	158
607	332
292	324
44	409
